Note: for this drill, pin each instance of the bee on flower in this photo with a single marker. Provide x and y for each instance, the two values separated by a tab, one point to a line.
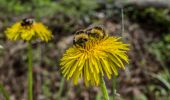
27	22
99	55
28	29
96	32
80	38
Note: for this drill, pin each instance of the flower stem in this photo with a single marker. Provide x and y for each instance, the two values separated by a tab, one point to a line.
114	86
30	79
4	92
61	88
103	88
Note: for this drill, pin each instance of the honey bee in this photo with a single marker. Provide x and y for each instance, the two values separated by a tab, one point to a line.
27	22
80	38
96	32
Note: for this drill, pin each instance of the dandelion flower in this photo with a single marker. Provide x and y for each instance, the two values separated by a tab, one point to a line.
28	30
102	56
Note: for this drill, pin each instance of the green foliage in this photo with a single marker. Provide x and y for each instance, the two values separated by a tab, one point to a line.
159	18
13	6
77	8
4	92
140	97
161	49
165	79
61	88
161	91
74	8
46	87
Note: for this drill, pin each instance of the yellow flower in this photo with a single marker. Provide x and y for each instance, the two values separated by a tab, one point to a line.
96	57
28	30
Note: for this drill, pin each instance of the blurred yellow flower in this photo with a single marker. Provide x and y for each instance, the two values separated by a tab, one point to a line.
94	58
28	30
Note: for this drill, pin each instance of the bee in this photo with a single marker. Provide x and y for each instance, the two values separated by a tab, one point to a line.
97	32
27	22
80	38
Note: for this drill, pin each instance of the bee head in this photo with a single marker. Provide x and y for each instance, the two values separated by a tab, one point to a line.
80	38
27	21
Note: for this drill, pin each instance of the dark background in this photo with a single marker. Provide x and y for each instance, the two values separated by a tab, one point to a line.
146	29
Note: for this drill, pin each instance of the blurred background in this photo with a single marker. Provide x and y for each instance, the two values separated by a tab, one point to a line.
146	28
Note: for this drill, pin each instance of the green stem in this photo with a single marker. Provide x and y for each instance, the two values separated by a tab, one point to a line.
61	88
4	92
103	88
30	79
114	86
